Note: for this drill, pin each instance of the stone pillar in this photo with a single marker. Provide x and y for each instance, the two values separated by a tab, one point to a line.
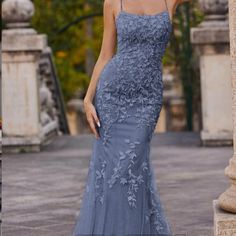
211	40
224	222
21	50
225	207
227	200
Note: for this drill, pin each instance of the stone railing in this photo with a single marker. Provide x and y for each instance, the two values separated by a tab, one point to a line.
52	109
215	11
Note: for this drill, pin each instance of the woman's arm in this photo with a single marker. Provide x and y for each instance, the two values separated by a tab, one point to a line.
106	53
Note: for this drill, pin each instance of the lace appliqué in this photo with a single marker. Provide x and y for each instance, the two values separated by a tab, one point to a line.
118	101
153	214
99	180
130	179
131	83
124	175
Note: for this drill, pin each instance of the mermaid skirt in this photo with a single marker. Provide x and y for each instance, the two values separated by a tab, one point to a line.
121	197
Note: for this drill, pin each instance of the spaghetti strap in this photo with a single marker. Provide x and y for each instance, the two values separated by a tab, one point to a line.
167	8
166	5
121	5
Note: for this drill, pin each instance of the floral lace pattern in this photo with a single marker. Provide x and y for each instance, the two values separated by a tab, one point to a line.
129	178
123	175
154	213
128	100
131	83
100	176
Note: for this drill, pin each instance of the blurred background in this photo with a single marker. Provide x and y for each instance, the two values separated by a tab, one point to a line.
49	48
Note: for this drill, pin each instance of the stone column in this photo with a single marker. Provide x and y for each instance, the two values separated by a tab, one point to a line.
225	207
227	200
211	40
21	50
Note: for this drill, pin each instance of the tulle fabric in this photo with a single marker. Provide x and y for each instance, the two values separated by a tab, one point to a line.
110	210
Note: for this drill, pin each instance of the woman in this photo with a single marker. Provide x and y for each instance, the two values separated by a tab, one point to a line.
122	104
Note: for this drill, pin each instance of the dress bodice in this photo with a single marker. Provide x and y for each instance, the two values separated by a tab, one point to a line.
140	34
131	83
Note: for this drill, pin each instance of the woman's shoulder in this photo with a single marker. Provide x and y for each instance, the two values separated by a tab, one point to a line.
113	5
112	2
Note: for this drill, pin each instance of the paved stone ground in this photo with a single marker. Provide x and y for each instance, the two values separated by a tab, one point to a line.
42	192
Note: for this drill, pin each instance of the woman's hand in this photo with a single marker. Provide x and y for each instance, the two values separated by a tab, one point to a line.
92	117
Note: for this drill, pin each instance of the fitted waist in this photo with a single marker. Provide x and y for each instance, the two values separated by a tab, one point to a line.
149	50
136	58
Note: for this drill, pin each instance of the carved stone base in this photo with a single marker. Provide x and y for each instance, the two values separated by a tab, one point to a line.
32	143
227	200
217	139
224	222
21	144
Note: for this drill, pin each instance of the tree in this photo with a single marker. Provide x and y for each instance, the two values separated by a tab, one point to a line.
60	20
180	55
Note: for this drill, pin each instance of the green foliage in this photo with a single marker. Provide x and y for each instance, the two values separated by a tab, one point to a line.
180	54
69	46
187	15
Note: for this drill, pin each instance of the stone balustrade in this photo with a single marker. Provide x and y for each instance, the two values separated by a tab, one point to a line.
33	110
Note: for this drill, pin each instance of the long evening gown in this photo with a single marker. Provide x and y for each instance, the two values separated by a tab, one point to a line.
121	197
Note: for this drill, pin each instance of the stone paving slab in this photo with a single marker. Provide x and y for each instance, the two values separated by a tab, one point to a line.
42	192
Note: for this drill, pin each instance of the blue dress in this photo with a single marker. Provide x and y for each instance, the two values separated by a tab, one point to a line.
121	197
